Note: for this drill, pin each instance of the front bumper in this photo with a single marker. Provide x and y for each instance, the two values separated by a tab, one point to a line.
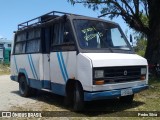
89	96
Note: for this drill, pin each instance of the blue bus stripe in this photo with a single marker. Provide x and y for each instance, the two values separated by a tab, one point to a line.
15	64
61	66
31	65
34	67
60	58
64	65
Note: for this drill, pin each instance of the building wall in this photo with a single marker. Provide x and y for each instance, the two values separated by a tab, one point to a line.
5	48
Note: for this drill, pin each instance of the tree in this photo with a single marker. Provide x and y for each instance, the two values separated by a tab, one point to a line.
140	47
141	15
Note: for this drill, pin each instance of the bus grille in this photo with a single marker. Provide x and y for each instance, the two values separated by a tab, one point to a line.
122	74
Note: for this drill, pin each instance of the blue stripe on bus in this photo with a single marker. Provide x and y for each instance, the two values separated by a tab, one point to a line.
31	66
15	64
60	64
64	65
56	88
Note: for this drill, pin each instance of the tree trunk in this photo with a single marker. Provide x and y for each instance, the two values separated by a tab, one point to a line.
153	47
153	44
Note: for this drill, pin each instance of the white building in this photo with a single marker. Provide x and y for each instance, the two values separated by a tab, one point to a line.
5	43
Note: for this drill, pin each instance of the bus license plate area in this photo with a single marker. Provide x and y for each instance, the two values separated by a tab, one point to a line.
126	92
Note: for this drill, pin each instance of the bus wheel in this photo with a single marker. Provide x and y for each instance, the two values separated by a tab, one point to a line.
24	89
78	102
127	99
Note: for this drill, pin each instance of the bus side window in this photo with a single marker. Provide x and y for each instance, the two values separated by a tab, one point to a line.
20	43
55	40
68	35
63	39
33	41
46	39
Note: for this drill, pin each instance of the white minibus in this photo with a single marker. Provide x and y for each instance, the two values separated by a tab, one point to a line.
79	57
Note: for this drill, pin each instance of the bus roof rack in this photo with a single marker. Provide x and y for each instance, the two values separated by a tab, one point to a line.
41	19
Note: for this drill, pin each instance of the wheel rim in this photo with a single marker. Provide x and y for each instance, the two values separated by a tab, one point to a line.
22	86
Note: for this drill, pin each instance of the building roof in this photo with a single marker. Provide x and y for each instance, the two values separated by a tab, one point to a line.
4	40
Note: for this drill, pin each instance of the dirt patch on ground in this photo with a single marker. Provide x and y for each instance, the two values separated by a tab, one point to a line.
9	94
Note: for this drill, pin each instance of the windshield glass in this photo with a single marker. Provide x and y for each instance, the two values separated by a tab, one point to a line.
99	35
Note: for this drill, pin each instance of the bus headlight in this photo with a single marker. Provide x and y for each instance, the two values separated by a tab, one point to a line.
143	71
98	74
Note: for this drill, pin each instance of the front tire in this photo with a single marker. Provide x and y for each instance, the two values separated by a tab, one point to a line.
24	89
78	99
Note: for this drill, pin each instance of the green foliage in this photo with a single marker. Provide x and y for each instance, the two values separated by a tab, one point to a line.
141	46
72	1
133	12
141	53
145	20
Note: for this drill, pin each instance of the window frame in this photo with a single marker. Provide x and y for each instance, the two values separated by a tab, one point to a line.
49	29
61	45
81	50
46	25
22	47
26	40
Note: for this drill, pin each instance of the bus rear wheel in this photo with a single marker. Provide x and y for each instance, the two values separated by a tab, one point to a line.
78	101
24	89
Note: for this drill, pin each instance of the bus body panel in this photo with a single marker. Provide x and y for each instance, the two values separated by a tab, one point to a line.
87	60
30	65
46	80
115	59
62	68
84	71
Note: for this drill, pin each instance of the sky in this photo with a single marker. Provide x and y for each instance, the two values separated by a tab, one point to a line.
14	12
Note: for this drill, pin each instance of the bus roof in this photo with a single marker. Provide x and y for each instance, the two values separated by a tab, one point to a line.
50	16
41	19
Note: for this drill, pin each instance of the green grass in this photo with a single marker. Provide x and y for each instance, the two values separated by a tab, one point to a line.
150	97
4	69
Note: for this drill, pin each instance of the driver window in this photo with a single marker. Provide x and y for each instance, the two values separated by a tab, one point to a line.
63	39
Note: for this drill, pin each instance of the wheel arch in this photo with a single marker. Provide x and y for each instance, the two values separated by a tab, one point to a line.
70	85
22	72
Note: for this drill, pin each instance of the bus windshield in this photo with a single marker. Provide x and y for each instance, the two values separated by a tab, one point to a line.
96	35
